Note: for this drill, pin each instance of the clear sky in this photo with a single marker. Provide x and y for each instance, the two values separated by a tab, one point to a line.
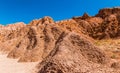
12	11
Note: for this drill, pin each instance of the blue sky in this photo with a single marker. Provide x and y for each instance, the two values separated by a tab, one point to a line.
12	11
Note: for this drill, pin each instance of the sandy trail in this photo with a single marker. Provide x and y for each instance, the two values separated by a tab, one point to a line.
12	66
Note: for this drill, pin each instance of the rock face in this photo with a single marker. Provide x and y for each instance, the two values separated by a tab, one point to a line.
9	35
108	11
106	24
63	46
37	40
71	55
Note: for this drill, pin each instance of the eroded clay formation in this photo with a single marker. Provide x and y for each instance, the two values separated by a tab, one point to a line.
64	46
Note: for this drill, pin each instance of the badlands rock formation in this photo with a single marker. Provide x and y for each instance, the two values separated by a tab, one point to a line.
100	27
73	54
64	46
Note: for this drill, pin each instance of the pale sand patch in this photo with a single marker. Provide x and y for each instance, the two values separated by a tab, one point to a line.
12	66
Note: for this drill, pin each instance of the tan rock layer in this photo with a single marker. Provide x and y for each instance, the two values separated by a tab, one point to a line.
74	54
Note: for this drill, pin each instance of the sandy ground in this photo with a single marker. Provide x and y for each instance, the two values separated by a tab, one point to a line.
12	66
